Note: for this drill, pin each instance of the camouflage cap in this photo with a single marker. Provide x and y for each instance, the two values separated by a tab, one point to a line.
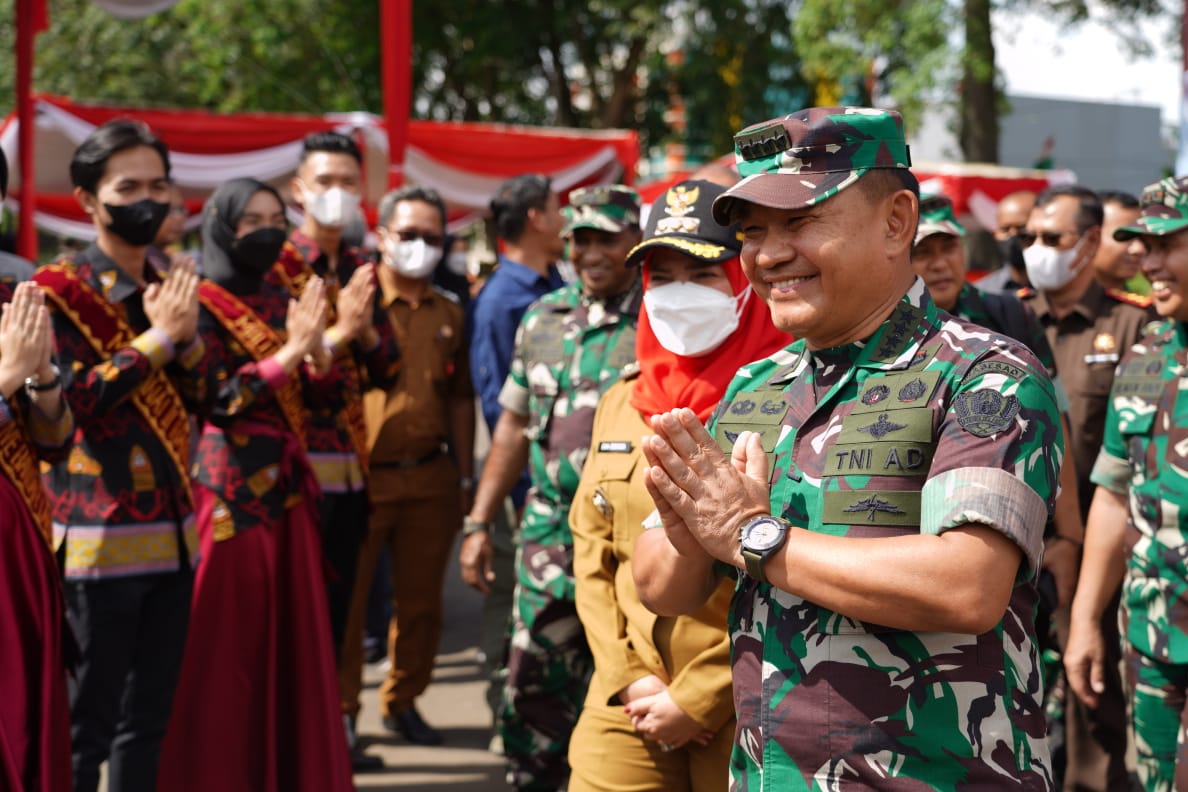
811	155
607	207
681	219
936	217
1165	210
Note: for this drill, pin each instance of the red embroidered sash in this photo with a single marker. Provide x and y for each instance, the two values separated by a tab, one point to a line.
260	340
106	331
294	273
19	465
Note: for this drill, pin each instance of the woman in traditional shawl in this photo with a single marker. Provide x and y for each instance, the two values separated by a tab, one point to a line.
34	422
257	705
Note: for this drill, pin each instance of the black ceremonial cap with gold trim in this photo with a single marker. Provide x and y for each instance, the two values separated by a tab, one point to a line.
682	219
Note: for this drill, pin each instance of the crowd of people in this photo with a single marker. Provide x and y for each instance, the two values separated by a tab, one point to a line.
776	497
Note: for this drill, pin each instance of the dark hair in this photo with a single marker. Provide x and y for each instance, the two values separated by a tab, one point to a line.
89	162
1121	197
387	204
3	175
332	142
514	198
1089	211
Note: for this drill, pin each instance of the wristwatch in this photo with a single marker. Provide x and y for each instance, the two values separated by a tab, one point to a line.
33	386
472	526
761	537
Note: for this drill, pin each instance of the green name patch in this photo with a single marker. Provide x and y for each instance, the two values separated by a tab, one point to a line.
879	459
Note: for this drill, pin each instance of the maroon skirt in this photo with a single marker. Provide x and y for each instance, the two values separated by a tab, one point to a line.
34	713
256	707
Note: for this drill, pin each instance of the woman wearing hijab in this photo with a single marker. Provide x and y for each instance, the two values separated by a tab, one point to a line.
659	714
257	705
34	422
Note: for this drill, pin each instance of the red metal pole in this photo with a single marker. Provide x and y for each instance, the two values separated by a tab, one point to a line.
26	32
396	63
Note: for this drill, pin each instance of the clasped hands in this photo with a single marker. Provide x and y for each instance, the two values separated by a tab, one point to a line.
702	496
657	717
356	307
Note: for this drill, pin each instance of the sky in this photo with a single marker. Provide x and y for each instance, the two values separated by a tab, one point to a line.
1040	58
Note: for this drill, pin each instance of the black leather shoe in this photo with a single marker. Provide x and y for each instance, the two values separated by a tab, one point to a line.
365	762
409	725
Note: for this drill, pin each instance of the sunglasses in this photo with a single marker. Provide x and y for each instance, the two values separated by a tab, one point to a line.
1049	238
432	240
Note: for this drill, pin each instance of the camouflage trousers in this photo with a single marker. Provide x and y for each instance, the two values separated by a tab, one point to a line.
549	662
1160	721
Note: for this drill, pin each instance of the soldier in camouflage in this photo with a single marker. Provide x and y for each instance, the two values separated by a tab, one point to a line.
1137	522
572	345
879	487
939	259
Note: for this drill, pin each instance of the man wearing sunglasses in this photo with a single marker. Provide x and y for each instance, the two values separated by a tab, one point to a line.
1088	327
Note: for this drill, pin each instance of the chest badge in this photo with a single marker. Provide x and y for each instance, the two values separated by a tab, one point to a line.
744	407
1104	343
913	390
882	427
874	504
875	394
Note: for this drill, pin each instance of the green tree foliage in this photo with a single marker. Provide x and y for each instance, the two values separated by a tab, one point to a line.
910	53
581	63
273	55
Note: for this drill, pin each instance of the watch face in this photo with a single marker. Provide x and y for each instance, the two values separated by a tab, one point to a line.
763	534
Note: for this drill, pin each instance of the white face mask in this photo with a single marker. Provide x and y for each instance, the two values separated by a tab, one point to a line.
456	263
692	320
1049	268
412	259
335	207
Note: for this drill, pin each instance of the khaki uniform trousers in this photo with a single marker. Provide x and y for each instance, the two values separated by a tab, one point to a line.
415	518
607	754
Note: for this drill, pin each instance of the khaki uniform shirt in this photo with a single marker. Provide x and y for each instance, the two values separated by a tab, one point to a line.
411	421
691	653
1088	343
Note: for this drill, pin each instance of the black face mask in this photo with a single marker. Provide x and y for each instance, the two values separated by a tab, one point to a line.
1011	253
255	253
138	223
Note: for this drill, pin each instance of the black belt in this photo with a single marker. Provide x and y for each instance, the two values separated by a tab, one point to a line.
412	462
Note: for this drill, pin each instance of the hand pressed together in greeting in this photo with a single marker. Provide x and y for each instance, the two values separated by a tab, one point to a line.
703	496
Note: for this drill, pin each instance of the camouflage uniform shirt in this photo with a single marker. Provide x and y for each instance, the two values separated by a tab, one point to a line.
569	349
931	424
1145	456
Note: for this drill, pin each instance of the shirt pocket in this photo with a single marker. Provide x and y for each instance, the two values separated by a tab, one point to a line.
543	393
614	471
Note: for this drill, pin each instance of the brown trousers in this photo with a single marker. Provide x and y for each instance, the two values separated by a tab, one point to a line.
416	517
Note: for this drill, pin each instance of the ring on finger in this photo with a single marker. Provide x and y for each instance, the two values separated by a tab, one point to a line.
666	747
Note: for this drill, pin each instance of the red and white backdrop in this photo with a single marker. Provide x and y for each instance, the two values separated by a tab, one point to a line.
465	162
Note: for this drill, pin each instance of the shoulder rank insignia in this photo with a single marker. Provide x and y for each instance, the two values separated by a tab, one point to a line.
881	428
1130	298
985	412
874	504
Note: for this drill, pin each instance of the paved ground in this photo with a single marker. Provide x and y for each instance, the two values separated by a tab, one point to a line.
454	704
